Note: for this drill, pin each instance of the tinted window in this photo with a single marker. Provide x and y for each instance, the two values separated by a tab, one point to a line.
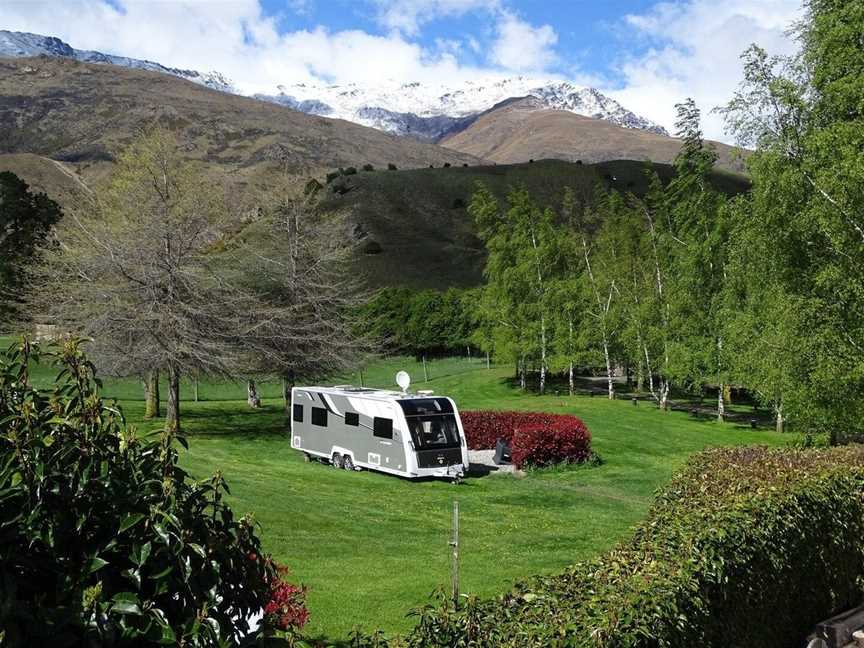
352	418
319	416
434	431
298	413
382	427
426	406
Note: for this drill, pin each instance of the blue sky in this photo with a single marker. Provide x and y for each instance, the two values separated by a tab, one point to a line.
590	34
647	54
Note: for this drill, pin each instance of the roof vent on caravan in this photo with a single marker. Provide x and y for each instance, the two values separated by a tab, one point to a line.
353	388
403	380
425	392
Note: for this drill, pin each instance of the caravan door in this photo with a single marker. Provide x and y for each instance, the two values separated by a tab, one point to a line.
387	440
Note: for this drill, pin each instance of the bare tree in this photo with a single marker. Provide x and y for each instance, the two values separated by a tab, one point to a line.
154	272
293	262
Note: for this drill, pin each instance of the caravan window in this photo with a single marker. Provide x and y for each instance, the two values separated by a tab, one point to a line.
319	416
434	431
298	413
352	418
382	427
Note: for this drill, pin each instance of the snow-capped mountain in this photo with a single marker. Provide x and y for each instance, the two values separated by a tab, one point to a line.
19	44
430	111
421	110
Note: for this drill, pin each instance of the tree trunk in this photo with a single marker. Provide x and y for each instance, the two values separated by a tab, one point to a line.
151	395
522	380
542	354
721	403
664	395
195	386
487	360
570	379
425	371
252	397
609	370
172	416
288	383
778	414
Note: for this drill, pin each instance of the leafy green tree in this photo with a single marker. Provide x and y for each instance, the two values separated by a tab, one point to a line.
104	539
26	218
698	232
524	258
805	116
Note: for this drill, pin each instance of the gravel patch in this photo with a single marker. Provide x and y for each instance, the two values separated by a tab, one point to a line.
481	461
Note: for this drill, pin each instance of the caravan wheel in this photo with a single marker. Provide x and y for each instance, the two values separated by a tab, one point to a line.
336	460
347	463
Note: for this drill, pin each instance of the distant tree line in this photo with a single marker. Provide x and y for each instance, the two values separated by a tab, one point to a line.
421	323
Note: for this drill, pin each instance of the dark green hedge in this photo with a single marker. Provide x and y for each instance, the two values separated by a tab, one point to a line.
745	547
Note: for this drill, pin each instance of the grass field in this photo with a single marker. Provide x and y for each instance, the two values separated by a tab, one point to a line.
371	546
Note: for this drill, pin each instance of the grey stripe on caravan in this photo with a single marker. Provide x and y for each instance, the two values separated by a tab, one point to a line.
328	403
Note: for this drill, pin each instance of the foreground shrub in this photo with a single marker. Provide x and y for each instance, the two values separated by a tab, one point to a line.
745	547
535	438
104	539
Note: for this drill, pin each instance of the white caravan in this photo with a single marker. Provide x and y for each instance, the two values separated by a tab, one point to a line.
410	435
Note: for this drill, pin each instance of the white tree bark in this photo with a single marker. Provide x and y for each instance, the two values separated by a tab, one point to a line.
721	404
602	313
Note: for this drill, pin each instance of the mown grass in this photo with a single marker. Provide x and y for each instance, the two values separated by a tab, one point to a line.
370	546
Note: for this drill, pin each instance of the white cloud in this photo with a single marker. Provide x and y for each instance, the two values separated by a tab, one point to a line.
408	16
236	38
695	49
522	46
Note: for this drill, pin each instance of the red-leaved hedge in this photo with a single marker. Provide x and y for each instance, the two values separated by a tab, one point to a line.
535	438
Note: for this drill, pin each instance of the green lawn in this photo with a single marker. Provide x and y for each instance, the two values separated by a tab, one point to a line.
371	546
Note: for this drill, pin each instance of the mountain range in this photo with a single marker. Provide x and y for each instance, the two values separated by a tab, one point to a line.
423	111
431	112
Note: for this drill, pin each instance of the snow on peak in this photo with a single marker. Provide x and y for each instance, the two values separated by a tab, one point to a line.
386	103
20	44
427	111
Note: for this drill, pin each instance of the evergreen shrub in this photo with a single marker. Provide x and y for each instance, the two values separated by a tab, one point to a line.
745	547
104	538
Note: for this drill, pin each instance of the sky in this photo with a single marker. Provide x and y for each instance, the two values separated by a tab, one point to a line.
647	54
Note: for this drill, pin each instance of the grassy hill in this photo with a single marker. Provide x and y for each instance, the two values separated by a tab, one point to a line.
45	175
412	228
520	130
83	114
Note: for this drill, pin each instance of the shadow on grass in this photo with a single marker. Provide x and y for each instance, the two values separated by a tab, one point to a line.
268	421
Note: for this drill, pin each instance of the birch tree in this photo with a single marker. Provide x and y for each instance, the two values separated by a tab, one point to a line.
598	278
523	257
804	115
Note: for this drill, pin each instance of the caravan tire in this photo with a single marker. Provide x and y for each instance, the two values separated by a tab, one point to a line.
348	463
336	460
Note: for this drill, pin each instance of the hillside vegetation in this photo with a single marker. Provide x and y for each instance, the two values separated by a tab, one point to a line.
411	227
84	114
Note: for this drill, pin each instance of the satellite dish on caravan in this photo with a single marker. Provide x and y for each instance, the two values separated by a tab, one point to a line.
403	380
